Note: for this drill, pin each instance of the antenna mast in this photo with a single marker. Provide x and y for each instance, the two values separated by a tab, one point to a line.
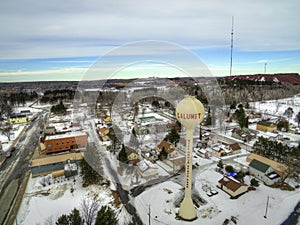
231	47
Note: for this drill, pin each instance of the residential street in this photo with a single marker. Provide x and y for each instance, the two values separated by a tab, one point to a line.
123	194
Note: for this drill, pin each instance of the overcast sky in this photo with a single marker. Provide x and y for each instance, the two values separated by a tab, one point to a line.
59	36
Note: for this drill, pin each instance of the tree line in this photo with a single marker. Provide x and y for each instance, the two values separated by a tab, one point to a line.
279	152
53	96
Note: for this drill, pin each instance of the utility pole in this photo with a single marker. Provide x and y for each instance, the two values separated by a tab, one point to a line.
149	214
265	216
231	47
200	133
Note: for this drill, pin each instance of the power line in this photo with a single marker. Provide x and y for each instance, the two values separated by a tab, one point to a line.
231	47
265	68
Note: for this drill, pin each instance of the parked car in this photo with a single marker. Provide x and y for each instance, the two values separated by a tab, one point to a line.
214	192
8	155
209	194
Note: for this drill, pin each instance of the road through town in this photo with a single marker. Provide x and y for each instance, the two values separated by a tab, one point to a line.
13	170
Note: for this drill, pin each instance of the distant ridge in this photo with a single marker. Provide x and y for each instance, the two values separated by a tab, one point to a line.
291	78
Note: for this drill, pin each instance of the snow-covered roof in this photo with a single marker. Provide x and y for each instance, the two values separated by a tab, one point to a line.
70	167
66	135
231	183
144	165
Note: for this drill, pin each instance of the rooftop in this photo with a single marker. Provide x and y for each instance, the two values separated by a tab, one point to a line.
278	167
265	123
66	135
235	146
231	183
55	159
258	165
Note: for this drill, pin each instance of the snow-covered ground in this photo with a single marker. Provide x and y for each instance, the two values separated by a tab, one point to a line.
278	107
248	208
41	204
16	130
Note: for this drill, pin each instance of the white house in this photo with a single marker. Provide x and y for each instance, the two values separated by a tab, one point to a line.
263	172
146	169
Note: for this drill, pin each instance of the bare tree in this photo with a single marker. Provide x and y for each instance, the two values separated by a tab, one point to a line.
89	209
292	168
5	107
5	130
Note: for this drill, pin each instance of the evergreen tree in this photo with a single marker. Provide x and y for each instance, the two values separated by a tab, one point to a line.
229	169
241	117
62	220
233	105
208	120
240	176
254	182
200	133
60	108
163	154
172	136
247	106
75	218
106	216
122	155
89	175
220	164
289	112
115	143
155	104
283	124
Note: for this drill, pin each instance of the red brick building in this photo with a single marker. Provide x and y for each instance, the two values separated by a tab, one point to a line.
64	142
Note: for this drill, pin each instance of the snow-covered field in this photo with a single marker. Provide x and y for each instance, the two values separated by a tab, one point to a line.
248	208
278	107
41	204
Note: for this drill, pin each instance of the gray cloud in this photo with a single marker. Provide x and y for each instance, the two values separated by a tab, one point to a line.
56	28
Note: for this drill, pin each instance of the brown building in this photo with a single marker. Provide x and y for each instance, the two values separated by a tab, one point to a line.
232	186
266	126
234	149
64	142
169	148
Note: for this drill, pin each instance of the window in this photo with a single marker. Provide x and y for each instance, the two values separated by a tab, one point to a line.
62	142
49	145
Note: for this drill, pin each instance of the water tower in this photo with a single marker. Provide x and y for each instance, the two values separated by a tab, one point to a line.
190	113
